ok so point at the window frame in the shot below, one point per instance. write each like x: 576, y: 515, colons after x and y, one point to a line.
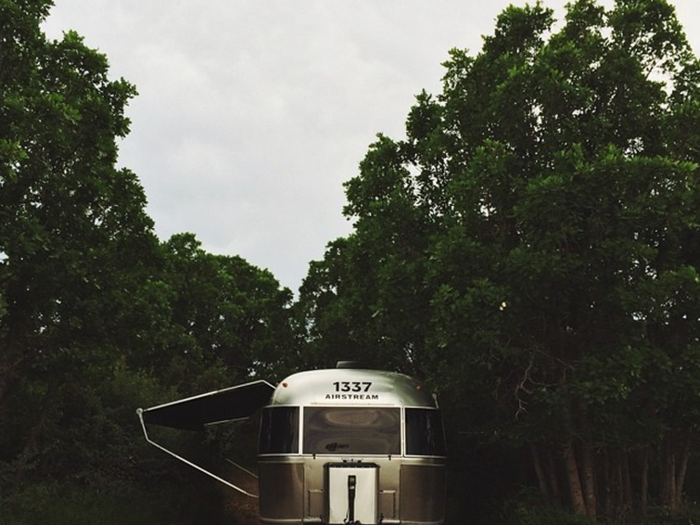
x: 439, y: 449
x: 398, y: 414
x: 294, y: 428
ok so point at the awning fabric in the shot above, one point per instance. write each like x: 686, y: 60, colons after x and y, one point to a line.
x: 194, y: 413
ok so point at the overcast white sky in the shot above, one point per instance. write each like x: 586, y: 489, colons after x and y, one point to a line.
x: 252, y: 113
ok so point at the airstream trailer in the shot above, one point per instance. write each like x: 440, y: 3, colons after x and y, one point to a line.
x: 338, y: 446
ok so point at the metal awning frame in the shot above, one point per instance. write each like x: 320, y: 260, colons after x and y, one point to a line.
x: 188, y: 462
x: 211, y: 395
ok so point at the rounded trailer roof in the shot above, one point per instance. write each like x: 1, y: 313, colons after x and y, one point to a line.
x: 346, y: 386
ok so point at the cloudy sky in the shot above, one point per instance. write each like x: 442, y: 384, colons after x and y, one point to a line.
x: 252, y: 113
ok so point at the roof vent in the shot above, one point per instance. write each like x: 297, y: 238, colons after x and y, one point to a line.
x: 349, y: 364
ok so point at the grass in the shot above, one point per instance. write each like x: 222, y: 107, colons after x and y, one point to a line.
x: 52, y: 503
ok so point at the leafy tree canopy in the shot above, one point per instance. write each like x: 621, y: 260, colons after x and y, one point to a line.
x: 74, y: 237
x: 533, y: 245
x: 97, y: 316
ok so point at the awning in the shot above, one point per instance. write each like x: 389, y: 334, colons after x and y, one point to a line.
x: 220, y: 406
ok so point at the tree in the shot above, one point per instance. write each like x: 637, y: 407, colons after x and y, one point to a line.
x: 97, y: 317
x: 227, y: 321
x: 536, y: 237
x: 75, y: 241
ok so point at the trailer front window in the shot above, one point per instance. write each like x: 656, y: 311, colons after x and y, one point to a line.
x: 424, y: 432
x: 343, y: 430
x: 279, y: 431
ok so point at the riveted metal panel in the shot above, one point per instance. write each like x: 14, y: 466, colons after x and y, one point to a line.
x: 422, y: 496
x: 281, y: 490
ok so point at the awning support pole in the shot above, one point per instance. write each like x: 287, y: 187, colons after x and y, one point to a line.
x: 204, y: 471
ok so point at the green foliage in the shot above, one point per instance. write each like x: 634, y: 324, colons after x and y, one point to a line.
x: 527, y: 508
x: 664, y: 516
x: 226, y: 313
x: 73, y: 235
x: 532, y: 246
x: 60, y: 505
x: 97, y: 317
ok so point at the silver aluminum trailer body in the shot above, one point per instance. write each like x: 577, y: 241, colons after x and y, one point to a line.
x: 361, y: 442
x: 344, y: 446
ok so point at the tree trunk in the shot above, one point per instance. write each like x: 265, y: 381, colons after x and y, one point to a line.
x: 5, y: 376
x: 619, y: 482
x: 681, y: 469
x: 546, y: 471
x: 607, y: 485
x: 589, y: 483
x: 574, y: 479
x: 627, y: 492
x: 540, y: 471
x: 616, y: 483
x: 644, y: 479
x: 553, y: 477
x: 667, y: 474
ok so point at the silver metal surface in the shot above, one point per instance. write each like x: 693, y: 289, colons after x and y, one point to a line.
x: 352, y: 387
x: 404, y: 489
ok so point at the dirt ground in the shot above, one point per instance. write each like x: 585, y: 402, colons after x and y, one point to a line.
x: 239, y: 508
